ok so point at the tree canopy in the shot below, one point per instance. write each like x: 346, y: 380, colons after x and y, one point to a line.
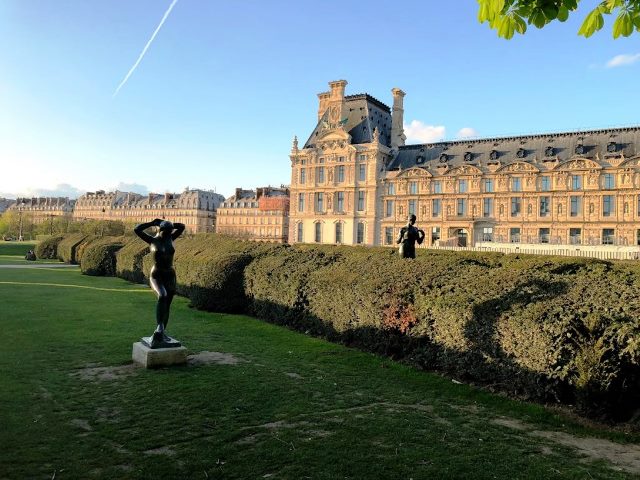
x: 508, y: 17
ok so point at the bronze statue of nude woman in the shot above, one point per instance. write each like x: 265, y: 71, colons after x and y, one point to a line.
x: 162, y: 277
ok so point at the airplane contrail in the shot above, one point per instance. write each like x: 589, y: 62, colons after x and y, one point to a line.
x: 146, y: 47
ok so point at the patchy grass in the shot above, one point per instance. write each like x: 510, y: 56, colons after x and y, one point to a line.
x: 255, y: 401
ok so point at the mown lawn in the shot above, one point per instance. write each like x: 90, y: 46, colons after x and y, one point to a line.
x: 270, y: 403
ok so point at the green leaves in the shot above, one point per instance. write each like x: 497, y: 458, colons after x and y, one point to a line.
x: 507, y: 17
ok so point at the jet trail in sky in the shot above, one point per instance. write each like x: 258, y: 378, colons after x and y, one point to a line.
x: 146, y: 47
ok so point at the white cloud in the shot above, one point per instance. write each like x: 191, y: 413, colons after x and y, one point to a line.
x: 60, y: 190
x: 132, y: 187
x: 418, y: 132
x: 467, y: 132
x: 623, y: 60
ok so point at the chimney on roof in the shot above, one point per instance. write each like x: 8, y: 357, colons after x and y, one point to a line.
x: 324, y: 103
x: 238, y: 193
x: 151, y: 195
x: 397, y: 119
x: 167, y: 197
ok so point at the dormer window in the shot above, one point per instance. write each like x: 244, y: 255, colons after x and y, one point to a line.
x: 468, y: 157
x: 444, y: 158
x: 493, y: 155
x: 612, y: 147
x: 549, y: 151
x: 420, y: 159
x: 521, y: 153
x: 580, y: 150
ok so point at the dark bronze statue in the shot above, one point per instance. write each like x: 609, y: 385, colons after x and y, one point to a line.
x: 162, y: 276
x: 408, y: 237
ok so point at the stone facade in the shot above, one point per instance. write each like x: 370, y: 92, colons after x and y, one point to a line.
x: 42, y: 209
x: 195, y: 208
x: 355, y: 182
x: 261, y: 214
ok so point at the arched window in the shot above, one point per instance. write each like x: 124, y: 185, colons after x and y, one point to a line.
x: 300, y: 233
x: 339, y: 232
x: 360, y: 233
x: 318, y: 232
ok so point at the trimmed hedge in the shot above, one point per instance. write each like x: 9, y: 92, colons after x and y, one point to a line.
x: 48, y: 248
x: 99, y: 256
x: 67, y: 248
x: 129, y: 260
x: 556, y: 329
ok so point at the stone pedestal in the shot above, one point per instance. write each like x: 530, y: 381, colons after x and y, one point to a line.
x: 158, y: 357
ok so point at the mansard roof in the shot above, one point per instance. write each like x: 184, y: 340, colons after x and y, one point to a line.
x: 363, y: 113
x: 541, y: 151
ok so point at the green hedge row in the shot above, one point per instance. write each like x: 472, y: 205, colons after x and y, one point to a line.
x: 48, y: 248
x: 98, y: 256
x: 547, y: 328
x: 67, y: 248
x: 129, y: 260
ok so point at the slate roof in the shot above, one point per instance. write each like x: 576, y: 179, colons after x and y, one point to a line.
x: 363, y: 113
x: 597, y: 145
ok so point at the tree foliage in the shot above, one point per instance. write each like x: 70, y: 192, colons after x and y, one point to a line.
x: 508, y: 17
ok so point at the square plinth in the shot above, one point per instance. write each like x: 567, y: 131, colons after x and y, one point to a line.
x: 158, y: 357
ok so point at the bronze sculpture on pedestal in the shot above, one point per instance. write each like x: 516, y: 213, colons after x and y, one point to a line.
x: 408, y: 237
x: 162, y: 277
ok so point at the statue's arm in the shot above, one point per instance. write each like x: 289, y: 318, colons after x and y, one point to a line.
x: 401, y: 235
x: 140, y: 229
x: 421, y: 236
x: 178, y: 228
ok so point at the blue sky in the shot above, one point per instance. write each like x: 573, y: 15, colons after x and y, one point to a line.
x: 223, y: 88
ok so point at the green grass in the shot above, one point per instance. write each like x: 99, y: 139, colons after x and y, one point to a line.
x: 16, y: 248
x: 295, y: 407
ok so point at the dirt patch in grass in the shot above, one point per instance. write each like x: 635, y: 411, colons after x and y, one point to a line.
x: 625, y: 457
x: 81, y: 423
x: 94, y: 374
x: 214, y: 358
x: 160, y: 451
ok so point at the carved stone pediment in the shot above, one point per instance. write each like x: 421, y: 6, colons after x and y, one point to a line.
x: 518, y: 167
x: 333, y: 139
x: 414, y: 172
x: 579, y: 164
x: 630, y: 162
x: 465, y: 170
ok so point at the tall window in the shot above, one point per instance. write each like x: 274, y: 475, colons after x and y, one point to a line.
x: 435, y: 207
x: 340, y: 173
x: 413, y: 188
x: 488, y: 185
x: 544, y: 234
x: 514, y: 235
x: 516, y: 206
x: 339, y: 232
x: 320, y: 174
x: 487, y: 234
x: 462, y: 186
x: 575, y: 236
x: 360, y: 233
x: 303, y: 175
x: 391, y: 188
x: 361, y: 201
x: 435, y: 234
x: 576, y: 182
x: 319, y: 202
x: 318, y: 232
x: 576, y: 205
x: 545, y: 183
x: 545, y: 206
x: 362, y: 172
x: 437, y: 186
x: 607, y: 205
x: 516, y: 184
x: 461, y: 207
x: 412, y: 207
x: 389, y: 208
x: 301, y: 202
x: 487, y: 210
x: 609, y: 181
x: 339, y: 201
x: 608, y: 236
x: 300, y: 237
x: 388, y: 235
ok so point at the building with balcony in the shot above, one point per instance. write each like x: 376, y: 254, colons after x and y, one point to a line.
x: 261, y: 214
x: 355, y: 181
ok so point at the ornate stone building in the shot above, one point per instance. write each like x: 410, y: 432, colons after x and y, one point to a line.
x: 355, y: 182
x: 195, y: 208
x: 42, y: 209
x: 5, y: 203
x: 261, y: 215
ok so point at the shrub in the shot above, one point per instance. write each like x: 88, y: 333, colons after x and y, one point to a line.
x: 99, y: 256
x: 68, y: 245
x: 48, y: 248
x: 129, y: 260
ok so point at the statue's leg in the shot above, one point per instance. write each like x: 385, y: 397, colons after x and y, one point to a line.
x: 171, y: 291
x: 162, y: 308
